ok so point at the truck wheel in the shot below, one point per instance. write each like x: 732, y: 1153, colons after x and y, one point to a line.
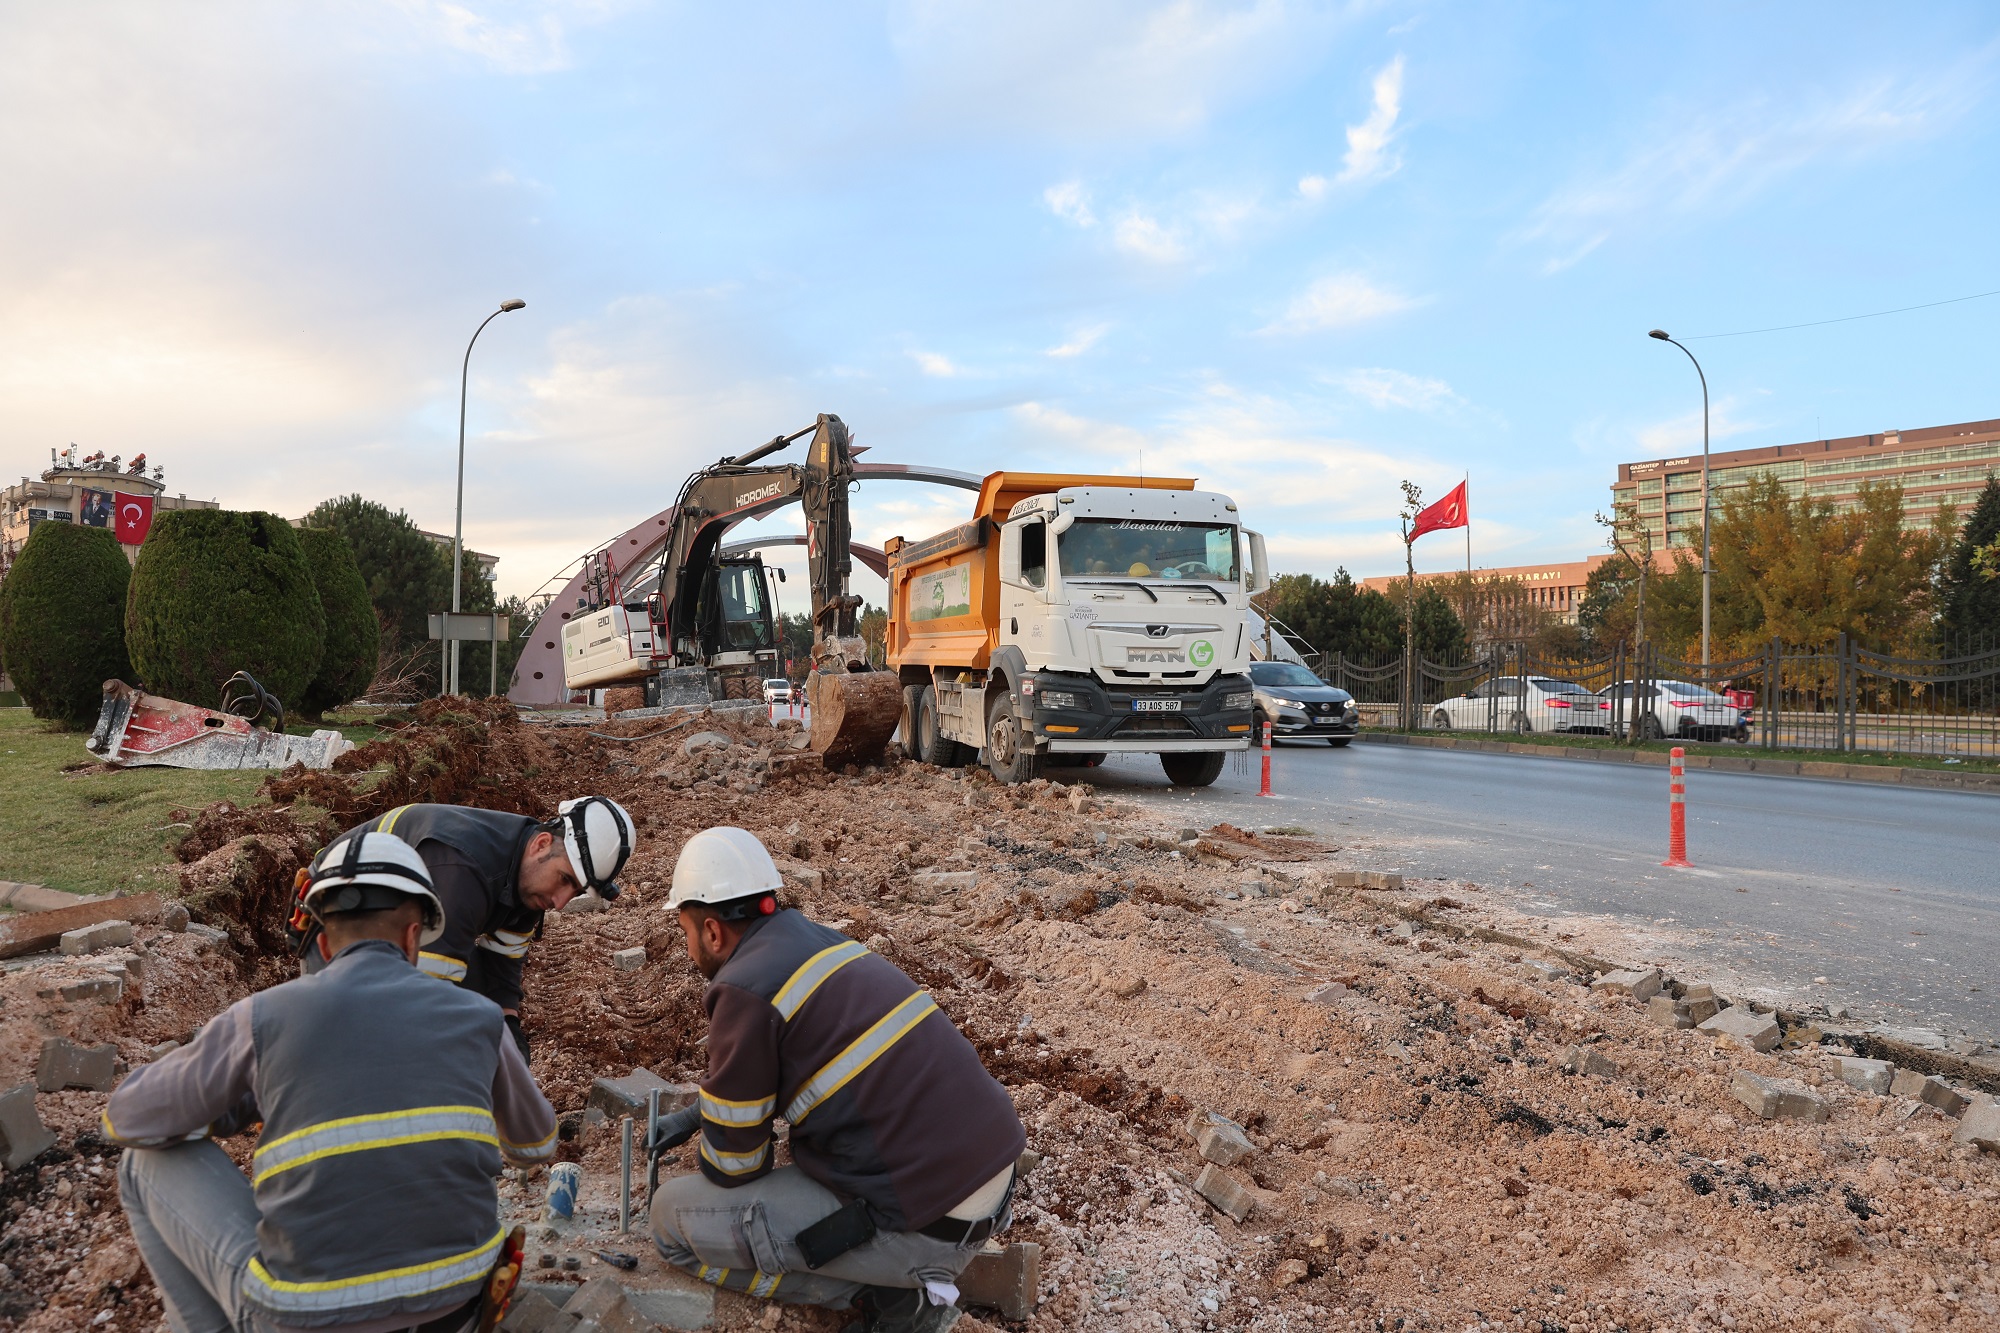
x: 1192, y: 770
x: 1010, y: 748
x: 932, y: 747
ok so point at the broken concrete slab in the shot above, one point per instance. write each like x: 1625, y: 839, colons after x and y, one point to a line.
x: 629, y: 960
x: 23, y: 1136
x: 1588, y: 1060
x: 1866, y: 1075
x: 672, y: 1299
x: 64, y: 1064
x: 705, y: 740
x: 98, y: 935
x: 1641, y: 986
x: 627, y: 1096
x: 1700, y: 1009
x: 532, y: 1312
x: 1667, y: 1012
x: 107, y: 989
x: 1770, y: 1098
x: 1226, y: 1192
x: 1219, y: 1139
x: 38, y: 932
x: 1930, y: 1090
x: 1741, y: 1027
x: 1981, y: 1124
x: 1537, y: 970
x: 1008, y: 1280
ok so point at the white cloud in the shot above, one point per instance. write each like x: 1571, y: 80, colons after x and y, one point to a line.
x: 1395, y: 388
x: 513, y: 36
x: 936, y: 365
x: 1336, y: 301
x: 1070, y: 202
x: 1368, y: 155
x: 1079, y: 342
x: 1138, y: 234
x: 1681, y: 435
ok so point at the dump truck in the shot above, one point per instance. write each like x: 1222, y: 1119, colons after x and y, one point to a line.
x: 1075, y: 617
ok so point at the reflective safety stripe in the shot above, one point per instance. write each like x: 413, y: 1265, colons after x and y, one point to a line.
x: 349, y: 1293
x: 363, y: 1133
x: 863, y: 1051
x: 765, y: 1284
x: 441, y: 966
x: 734, y: 1163
x: 506, y: 943
x: 815, y: 970
x: 530, y: 1152
x: 716, y: 1275
x: 725, y: 1112
x: 388, y: 824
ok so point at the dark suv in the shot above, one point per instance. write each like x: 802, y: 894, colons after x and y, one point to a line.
x: 1297, y: 703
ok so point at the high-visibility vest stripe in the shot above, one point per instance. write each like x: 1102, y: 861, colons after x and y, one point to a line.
x: 505, y: 943
x: 811, y: 974
x: 530, y: 1152
x: 367, y: 1288
x: 364, y: 1133
x: 442, y: 966
x: 863, y: 1051
x: 725, y: 1112
x: 388, y: 824
x: 734, y: 1163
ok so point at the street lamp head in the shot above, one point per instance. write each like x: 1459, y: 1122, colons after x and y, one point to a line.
x: 518, y: 305
x: 1661, y: 334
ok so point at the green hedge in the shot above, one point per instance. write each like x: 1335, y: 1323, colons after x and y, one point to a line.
x: 62, y: 620
x: 217, y: 591
x: 353, y: 638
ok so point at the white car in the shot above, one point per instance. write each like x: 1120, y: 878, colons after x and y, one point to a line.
x: 777, y: 691
x: 1676, y: 708
x: 1523, y: 704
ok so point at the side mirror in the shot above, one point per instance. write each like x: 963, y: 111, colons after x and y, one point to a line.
x: 1010, y: 554
x: 781, y: 575
x: 1259, y: 579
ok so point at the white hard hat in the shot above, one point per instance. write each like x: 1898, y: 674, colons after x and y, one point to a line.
x: 724, y: 865
x: 599, y: 837
x: 366, y: 872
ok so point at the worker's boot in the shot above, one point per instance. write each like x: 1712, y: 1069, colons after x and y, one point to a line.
x: 900, y: 1310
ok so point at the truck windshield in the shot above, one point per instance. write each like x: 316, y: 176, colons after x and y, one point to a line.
x: 1133, y: 548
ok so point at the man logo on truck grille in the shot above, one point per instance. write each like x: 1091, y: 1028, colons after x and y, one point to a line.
x: 1201, y: 652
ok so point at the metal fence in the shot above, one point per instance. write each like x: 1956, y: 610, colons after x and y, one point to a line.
x: 1842, y: 697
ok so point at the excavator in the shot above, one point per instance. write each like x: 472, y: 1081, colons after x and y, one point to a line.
x: 699, y: 626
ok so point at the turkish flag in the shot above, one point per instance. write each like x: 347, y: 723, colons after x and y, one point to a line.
x: 135, y: 517
x: 1449, y: 512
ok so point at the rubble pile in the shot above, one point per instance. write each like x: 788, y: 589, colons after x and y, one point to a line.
x: 1270, y: 1086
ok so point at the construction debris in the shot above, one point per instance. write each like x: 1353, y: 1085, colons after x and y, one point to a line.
x: 38, y: 932
x: 1772, y: 1097
x: 1740, y: 1027
x: 1867, y: 1075
x: 90, y: 939
x: 1981, y: 1124
x: 1226, y: 1192
x: 1929, y: 1089
x: 1219, y: 1139
x: 137, y: 729
x: 23, y: 1136
x: 1641, y: 986
x: 1004, y: 1278
x: 64, y: 1064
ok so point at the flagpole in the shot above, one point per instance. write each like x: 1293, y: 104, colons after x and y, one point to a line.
x: 1467, y: 484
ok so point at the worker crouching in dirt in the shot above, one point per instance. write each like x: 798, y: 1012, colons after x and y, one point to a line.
x: 496, y: 874
x: 904, y: 1146
x: 387, y: 1104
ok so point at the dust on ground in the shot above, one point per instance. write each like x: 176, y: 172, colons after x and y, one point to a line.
x: 1422, y: 1160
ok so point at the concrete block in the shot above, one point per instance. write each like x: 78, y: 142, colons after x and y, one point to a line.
x: 175, y: 918
x: 1702, y: 992
x: 107, y: 989
x: 532, y: 1312
x: 91, y: 938
x: 594, y: 1298
x: 1699, y: 1009
x: 1981, y: 1124
x: 1537, y: 970
x: 1666, y: 1011
x: 1228, y: 1194
x: 584, y: 904
x: 1867, y: 1075
x: 621, y: 1317
x: 1641, y: 986
x: 629, y: 960
x: 64, y: 1064
x: 1929, y: 1089
x: 627, y: 1096
x: 1382, y: 879
x: 23, y: 1136
x: 1773, y: 1097
x: 1219, y: 1139
x: 1588, y: 1060
x: 1738, y: 1025
x: 1346, y: 879
x: 1008, y: 1280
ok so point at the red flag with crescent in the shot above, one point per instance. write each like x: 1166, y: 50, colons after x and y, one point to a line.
x: 135, y: 517
x: 1449, y: 512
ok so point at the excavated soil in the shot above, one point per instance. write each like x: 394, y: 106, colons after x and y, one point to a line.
x: 1422, y: 1160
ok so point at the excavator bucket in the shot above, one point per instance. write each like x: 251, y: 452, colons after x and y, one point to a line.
x: 135, y: 728
x: 854, y: 713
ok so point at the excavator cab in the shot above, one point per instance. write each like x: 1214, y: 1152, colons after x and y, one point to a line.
x: 737, y: 627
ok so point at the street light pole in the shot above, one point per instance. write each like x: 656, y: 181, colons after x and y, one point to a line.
x: 450, y: 686
x: 1706, y: 569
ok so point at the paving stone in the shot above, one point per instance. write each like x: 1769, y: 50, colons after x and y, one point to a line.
x: 1700, y: 992
x: 1699, y: 1009
x: 1867, y: 1075
x: 1219, y: 1139
x: 1981, y: 1125
x: 1928, y: 1089
x: 1588, y: 1060
x: 1008, y: 1280
x: 1382, y: 879
x: 98, y: 935
x: 1226, y: 1192
x: 593, y: 1298
x: 1346, y: 879
x: 107, y: 989
x: 627, y: 1096
x: 64, y: 1064
x: 1641, y: 986
x: 621, y: 1317
x: 629, y: 960
x: 1666, y: 1011
x: 1773, y: 1097
x: 1538, y: 970
x: 584, y: 904
x: 1737, y: 1024
x: 532, y: 1312
x: 23, y: 1136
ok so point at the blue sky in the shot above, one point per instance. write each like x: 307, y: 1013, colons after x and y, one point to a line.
x: 1299, y: 251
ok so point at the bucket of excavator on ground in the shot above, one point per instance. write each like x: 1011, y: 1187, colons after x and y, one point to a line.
x: 135, y: 728
x: 854, y: 713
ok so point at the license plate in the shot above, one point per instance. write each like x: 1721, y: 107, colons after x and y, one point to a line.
x: 1325, y: 721
x: 1156, y: 705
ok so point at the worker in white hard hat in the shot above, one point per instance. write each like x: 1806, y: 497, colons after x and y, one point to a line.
x: 903, y: 1146
x: 496, y: 874
x: 388, y: 1104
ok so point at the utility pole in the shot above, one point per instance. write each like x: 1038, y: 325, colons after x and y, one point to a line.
x: 1707, y: 570
x: 450, y: 686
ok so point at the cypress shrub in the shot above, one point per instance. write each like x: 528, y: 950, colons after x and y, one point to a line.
x: 62, y: 620
x: 353, y: 638
x: 217, y: 591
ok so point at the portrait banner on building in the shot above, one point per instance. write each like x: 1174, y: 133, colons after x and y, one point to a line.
x: 96, y: 508
x: 135, y: 518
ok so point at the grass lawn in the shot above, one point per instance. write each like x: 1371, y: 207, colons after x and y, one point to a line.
x: 99, y: 832
x: 1730, y: 750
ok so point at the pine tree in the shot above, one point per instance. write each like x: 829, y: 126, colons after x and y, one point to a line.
x: 1968, y: 590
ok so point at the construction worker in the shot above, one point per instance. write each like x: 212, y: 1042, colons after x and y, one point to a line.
x: 496, y: 874
x: 387, y: 1104
x: 903, y: 1145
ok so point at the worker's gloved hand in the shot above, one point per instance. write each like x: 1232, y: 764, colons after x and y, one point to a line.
x: 675, y: 1128
x: 520, y: 1037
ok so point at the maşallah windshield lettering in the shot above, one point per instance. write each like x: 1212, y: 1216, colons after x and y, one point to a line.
x: 1142, y: 549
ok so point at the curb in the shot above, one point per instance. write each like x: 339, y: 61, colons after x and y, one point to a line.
x: 1878, y: 774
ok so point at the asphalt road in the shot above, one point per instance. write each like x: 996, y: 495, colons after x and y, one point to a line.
x: 1892, y: 896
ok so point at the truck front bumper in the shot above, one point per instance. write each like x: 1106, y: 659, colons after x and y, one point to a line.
x: 1089, y: 717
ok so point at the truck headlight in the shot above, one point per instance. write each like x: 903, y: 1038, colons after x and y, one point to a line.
x: 1242, y: 700
x: 1059, y: 699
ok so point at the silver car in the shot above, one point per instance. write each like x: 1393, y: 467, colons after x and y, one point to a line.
x: 1657, y: 709
x: 1522, y: 704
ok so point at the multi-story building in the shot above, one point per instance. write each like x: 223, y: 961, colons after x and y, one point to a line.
x: 1937, y: 466
x: 76, y: 489
x: 1557, y: 588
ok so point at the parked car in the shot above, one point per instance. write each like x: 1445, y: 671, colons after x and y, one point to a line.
x: 1297, y: 703
x: 777, y: 691
x: 1678, y: 708
x: 1523, y: 704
